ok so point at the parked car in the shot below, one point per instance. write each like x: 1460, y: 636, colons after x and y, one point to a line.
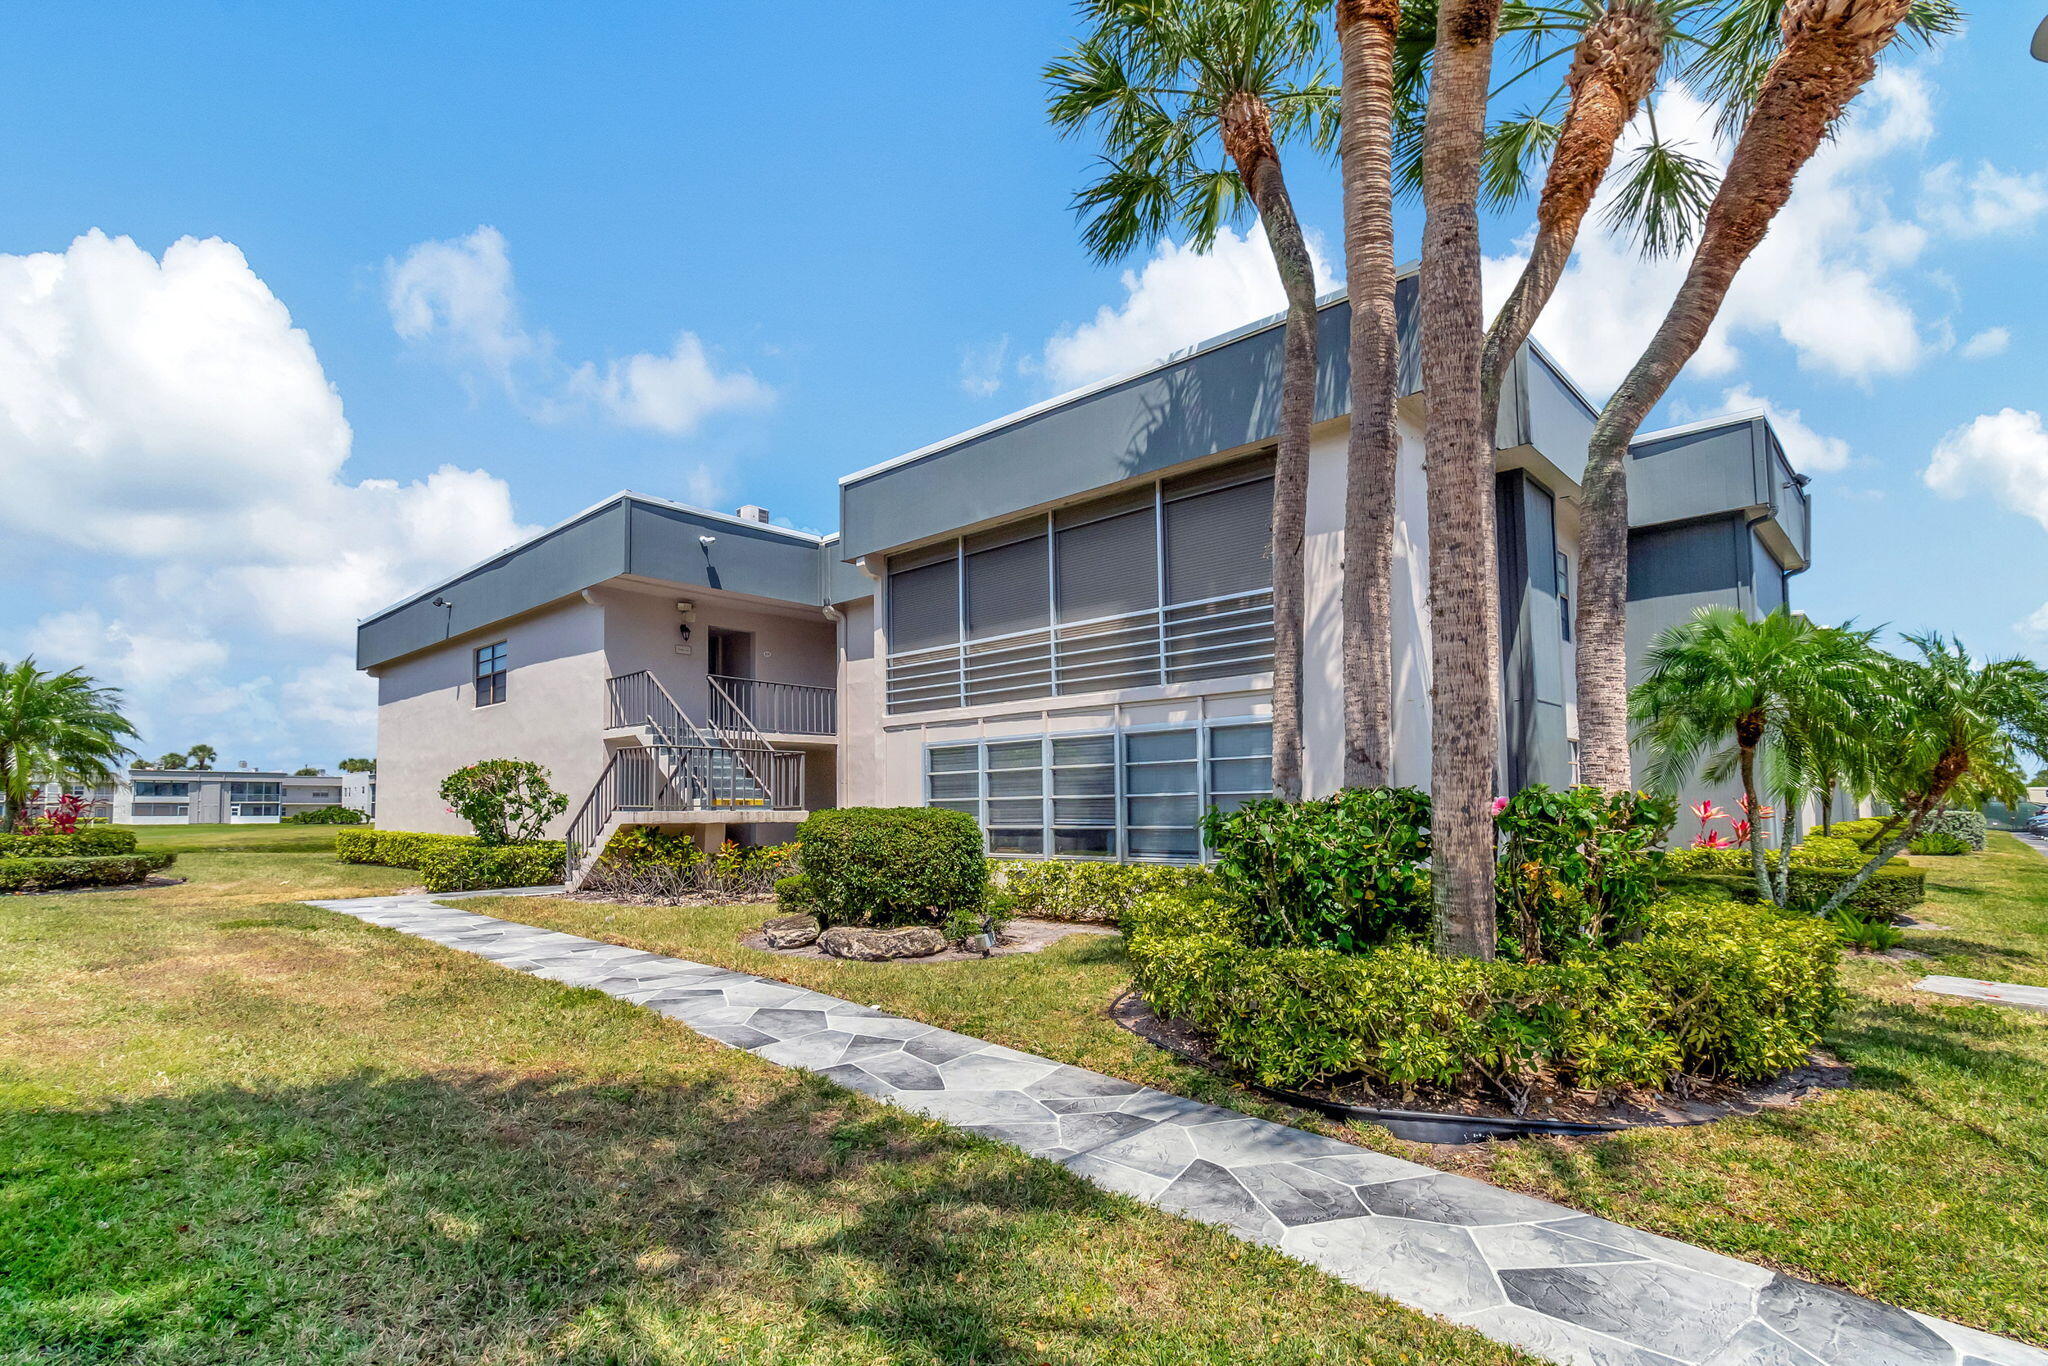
x: 2037, y: 824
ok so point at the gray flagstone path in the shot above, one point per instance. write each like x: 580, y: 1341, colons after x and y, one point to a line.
x: 1559, y: 1284
x: 1998, y: 993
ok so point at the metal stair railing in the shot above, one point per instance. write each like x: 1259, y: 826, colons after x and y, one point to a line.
x: 777, y: 708
x: 737, y: 730
x: 639, y: 699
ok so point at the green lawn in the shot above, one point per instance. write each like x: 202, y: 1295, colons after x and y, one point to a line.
x: 237, y: 1129
x: 1926, y: 1185
x: 192, y: 839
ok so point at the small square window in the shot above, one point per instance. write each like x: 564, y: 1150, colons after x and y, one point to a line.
x: 490, y: 674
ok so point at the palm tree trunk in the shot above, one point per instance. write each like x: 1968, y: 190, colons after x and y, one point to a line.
x: 1612, y: 72
x: 1756, y: 828
x: 1365, y: 39
x: 1247, y: 129
x: 1464, y: 590
x: 1948, y: 771
x: 1831, y: 49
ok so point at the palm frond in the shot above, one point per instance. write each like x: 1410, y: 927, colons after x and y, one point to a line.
x: 1514, y: 148
x: 1663, y: 197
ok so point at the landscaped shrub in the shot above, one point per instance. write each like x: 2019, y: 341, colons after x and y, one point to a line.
x: 1578, y: 868
x: 455, y: 863
x: 871, y: 865
x: 1888, y: 893
x: 506, y: 801
x: 1084, y: 890
x: 326, y: 815
x: 1940, y: 843
x: 470, y: 867
x: 1862, y: 830
x: 390, y: 848
x: 1967, y: 826
x: 90, y: 841
x: 54, y: 874
x: 1346, y: 871
x: 662, y: 865
x: 1714, y: 987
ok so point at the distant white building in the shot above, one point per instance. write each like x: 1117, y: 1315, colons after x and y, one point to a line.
x: 183, y: 796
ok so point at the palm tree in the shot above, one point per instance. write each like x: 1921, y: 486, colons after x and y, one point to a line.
x: 1464, y: 592
x: 1193, y: 100
x: 55, y: 726
x: 1726, y: 689
x: 357, y: 765
x: 1830, y: 50
x: 173, y: 760
x: 1952, y: 728
x: 200, y: 757
x: 1366, y: 36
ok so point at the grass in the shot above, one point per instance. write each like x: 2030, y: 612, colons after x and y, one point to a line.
x: 269, y: 839
x: 235, y: 1128
x: 1925, y: 1185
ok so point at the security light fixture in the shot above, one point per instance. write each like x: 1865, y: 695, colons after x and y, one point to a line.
x: 706, y: 541
x: 440, y: 601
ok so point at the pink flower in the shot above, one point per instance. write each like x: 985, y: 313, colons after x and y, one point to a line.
x: 1707, y: 811
x: 1742, y: 829
x: 1713, y: 839
x: 1500, y: 804
x: 1755, y: 810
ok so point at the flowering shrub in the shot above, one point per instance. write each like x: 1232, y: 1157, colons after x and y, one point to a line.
x: 506, y: 801
x: 1345, y: 872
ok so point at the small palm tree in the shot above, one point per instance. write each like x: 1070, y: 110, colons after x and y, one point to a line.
x: 1723, y: 691
x: 55, y: 726
x: 1950, y: 728
x: 200, y: 757
x: 172, y: 760
x: 1193, y: 100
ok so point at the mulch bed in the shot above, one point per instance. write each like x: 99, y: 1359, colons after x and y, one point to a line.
x: 1019, y: 936
x: 1700, y: 1102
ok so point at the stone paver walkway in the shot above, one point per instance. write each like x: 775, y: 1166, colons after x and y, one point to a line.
x: 1562, y: 1285
x: 1998, y: 993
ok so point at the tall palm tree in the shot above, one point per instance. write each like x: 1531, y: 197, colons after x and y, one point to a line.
x: 172, y: 760
x: 1366, y: 34
x: 1193, y: 100
x: 55, y: 726
x: 201, y: 757
x: 1952, y: 727
x: 1464, y: 590
x: 1722, y: 690
x: 1830, y: 50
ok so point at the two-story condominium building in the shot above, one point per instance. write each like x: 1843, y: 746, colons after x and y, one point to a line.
x: 201, y: 796
x: 1060, y: 622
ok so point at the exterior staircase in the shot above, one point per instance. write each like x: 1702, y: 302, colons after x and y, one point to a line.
x: 681, y: 773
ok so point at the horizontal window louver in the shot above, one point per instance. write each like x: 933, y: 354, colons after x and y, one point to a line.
x: 1220, y: 542
x: 924, y: 606
x: 1007, y: 590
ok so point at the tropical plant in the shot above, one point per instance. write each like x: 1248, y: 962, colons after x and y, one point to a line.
x: 1367, y: 31
x: 173, y: 760
x: 1723, y: 692
x: 506, y: 801
x: 1825, y: 52
x: 55, y: 727
x: 1193, y: 100
x: 357, y: 765
x: 1578, y: 868
x: 309, y: 772
x: 1950, y: 728
x: 1348, y: 872
x: 201, y: 757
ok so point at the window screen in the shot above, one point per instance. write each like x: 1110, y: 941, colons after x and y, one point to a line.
x: 1162, y: 783
x: 1016, y: 792
x: 1240, y: 765
x: 1083, y: 795
x: 1109, y: 567
x: 924, y: 606
x: 1007, y: 590
x: 1219, y: 542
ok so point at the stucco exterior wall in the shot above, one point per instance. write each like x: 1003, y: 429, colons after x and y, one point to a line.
x: 642, y: 631
x: 428, y: 724
x: 860, y: 705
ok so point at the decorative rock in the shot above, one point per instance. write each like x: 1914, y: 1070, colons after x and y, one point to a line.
x: 790, y: 931
x: 877, y: 946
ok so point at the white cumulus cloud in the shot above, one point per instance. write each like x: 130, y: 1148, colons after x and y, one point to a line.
x: 165, y: 417
x: 1992, y: 341
x: 2002, y: 455
x: 1986, y: 201
x: 459, y: 296
x: 1177, y: 299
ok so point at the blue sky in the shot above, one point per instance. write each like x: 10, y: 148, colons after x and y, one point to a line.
x: 456, y: 271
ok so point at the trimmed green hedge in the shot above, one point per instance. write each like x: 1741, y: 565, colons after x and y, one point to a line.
x: 1888, y: 894
x: 892, y: 865
x: 455, y: 863
x: 1095, y: 893
x: 326, y: 815
x: 1714, y: 988
x: 90, y: 842
x: 53, y: 874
